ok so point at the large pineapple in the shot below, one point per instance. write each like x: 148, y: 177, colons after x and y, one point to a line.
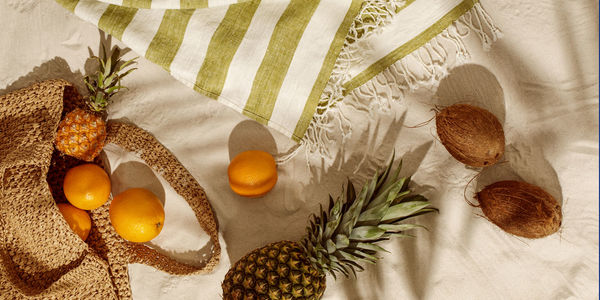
x: 82, y: 132
x: 337, y: 241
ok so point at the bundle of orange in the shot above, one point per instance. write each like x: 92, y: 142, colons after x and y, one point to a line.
x: 136, y: 214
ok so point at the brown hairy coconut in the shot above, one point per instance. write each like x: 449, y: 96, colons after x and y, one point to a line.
x: 472, y: 135
x: 520, y: 208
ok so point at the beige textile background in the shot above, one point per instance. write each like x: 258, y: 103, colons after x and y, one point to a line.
x: 541, y: 79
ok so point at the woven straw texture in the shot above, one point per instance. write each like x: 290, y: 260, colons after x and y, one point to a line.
x: 40, y: 257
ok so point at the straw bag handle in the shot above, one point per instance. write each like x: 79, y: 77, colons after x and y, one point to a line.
x: 139, y: 141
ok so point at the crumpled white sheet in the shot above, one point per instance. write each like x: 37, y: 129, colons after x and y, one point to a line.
x: 541, y: 78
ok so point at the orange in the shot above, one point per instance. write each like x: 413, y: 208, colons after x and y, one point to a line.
x: 137, y: 215
x: 87, y: 186
x: 252, y: 173
x: 78, y: 219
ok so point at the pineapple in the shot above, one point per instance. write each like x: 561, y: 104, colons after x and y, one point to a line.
x: 81, y: 133
x: 336, y: 242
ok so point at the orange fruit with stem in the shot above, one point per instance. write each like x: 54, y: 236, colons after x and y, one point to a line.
x: 252, y: 173
x: 137, y: 215
x: 87, y: 186
x: 78, y: 219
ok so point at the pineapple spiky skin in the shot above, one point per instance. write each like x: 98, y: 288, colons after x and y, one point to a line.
x: 81, y: 134
x: 279, y: 270
x: 337, y: 242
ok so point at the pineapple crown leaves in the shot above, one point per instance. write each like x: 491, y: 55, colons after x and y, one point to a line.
x: 345, y: 236
x: 106, y: 82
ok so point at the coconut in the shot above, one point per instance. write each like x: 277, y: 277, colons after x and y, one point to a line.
x: 520, y: 208
x: 472, y: 135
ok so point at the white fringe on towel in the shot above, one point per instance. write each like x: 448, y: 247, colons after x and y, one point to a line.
x: 424, y: 67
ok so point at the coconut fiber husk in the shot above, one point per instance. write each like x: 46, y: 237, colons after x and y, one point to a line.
x: 40, y: 256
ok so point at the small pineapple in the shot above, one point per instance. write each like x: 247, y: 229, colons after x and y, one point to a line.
x: 81, y: 133
x: 336, y: 242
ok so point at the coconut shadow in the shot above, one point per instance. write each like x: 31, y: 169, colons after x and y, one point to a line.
x: 250, y: 135
x: 523, y: 162
x: 475, y: 85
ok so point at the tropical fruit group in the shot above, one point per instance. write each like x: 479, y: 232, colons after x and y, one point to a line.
x: 87, y: 186
x: 252, y: 173
x: 137, y: 215
x: 78, y: 219
x: 337, y: 241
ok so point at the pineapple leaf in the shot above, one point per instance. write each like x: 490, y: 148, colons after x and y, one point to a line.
x: 323, y: 218
x: 116, y: 54
x: 344, y: 270
x: 371, y: 187
x: 350, y: 192
x: 90, y: 87
x: 404, y: 209
x: 341, y: 241
x: 106, y: 81
x: 352, y: 257
x: 107, y: 68
x: 331, y: 271
x: 353, y: 265
x: 366, y: 233
x: 383, y: 177
x: 368, y: 246
x: 399, y: 227
x: 104, y: 52
x: 126, y: 73
x: 330, y: 246
x: 114, y: 89
x: 420, y: 212
x: 364, y: 255
x: 406, y: 182
x: 383, y: 195
x: 335, y: 218
x: 375, y: 213
x: 401, y: 196
x: 341, y: 270
x: 331, y: 203
x: 127, y: 63
x: 391, y: 180
x: 410, y: 198
x: 353, y: 271
x: 100, y: 79
x: 351, y: 215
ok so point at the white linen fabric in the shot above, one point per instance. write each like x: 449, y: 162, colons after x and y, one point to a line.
x: 545, y: 77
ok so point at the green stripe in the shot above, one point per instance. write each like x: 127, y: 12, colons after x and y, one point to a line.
x: 334, y: 50
x: 410, y: 46
x: 115, y: 19
x: 137, y: 3
x: 68, y: 4
x: 223, y: 45
x: 275, y: 64
x: 193, y: 4
x: 168, y: 38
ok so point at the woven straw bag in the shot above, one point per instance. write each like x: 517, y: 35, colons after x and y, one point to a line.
x: 40, y: 257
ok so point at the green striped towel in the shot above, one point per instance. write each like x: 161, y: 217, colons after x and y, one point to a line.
x: 272, y: 60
